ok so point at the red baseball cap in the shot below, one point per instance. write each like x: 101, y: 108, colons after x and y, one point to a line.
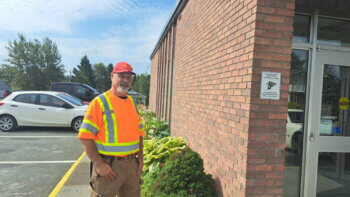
x: 122, y: 67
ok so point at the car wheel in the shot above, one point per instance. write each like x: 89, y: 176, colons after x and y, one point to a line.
x: 7, y: 123
x: 76, y: 124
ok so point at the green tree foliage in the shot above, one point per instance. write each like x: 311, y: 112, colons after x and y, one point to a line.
x: 101, y: 77
x: 36, y: 64
x: 8, y: 74
x: 141, y: 85
x: 109, y: 71
x: 297, y: 63
x: 83, y: 73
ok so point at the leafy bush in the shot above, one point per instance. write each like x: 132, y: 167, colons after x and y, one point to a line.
x: 170, y: 169
x: 152, y: 125
x: 149, y: 180
x: 158, y: 151
x: 183, y: 175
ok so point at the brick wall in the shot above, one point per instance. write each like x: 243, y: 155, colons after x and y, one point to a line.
x: 153, y: 83
x: 221, y: 47
x: 272, y: 52
x: 212, y: 80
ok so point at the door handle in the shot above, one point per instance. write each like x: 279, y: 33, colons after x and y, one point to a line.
x: 42, y: 109
x: 14, y: 106
x: 312, y: 138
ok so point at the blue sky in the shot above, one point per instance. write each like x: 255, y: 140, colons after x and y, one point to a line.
x: 106, y: 31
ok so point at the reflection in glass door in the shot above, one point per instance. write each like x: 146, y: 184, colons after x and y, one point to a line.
x: 333, y: 168
x: 333, y: 174
x: 328, y: 127
x: 295, y: 123
x: 335, y: 101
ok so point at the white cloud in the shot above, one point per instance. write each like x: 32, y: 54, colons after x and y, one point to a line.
x: 133, y: 41
x: 53, y: 15
x: 130, y: 43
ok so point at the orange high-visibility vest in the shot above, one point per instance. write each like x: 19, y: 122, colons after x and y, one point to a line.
x: 114, y: 124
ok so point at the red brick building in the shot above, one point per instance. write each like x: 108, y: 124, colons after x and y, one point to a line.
x: 259, y: 88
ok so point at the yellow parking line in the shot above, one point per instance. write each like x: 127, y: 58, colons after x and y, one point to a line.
x: 65, y: 177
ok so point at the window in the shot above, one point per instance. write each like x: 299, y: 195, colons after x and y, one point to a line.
x: 296, y: 116
x: 63, y: 87
x: 70, y: 98
x: 91, y: 88
x: 25, y: 98
x: 51, y: 101
x: 333, y: 32
x: 301, y: 28
x: 79, y: 89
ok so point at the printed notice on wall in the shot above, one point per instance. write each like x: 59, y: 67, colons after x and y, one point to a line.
x: 270, y: 85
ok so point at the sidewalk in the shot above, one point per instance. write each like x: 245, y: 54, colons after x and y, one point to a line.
x: 77, y: 183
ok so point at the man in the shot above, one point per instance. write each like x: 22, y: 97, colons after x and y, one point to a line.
x: 6, y: 93
x: 111, y: 134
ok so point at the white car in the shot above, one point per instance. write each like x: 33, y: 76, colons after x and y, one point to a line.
x: 41, y: 108
x: 294, y: 128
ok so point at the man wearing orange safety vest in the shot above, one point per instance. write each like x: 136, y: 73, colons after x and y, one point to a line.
x: 111, y: 134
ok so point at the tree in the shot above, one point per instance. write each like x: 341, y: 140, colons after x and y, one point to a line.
x: 109, y: 71
x: 101, y: 77
x: 37, y: 64
x: 84, y: 72
x: 8, y: 74
x: 141, y: 85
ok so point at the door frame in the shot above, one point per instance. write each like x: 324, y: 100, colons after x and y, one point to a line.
x: 313, y: 141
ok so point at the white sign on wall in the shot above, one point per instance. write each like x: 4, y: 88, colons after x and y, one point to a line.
x: 270, y: 85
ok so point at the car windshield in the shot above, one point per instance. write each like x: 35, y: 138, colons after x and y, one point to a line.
x: 93, y: 89
x: 71, y: 99
x: 296, y: 117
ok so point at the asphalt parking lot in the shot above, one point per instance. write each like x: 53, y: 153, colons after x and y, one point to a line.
x: 33, y: 160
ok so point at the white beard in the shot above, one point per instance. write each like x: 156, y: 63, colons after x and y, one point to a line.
x: 122, y: 89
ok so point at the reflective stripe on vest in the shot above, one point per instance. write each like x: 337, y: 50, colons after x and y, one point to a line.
x: 108, y: 118
x: 118, y: 148
x: 89, y: 126
x: 140, y: 123
x: 133, y: 103
x: 111, y: 145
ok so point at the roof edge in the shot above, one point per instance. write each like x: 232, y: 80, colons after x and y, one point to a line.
x: 175, y: 13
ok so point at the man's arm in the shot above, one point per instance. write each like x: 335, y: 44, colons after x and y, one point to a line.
x: 103, y: 169
x: 140, y: 154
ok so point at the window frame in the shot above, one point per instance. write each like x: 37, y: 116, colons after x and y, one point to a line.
x: 22, y: 94
x: 64, y: 102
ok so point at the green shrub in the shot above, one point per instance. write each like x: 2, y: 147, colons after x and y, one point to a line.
x: 153, y: 126
x: 183, y: 176
x: 158, y: 151
x: 171, y: 169
x: 149, y: 180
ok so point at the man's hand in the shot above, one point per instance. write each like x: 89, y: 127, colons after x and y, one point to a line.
x: 105, y: 171
x: 139, y: 171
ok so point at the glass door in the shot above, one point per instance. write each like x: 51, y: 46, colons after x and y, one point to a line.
x: 327, y: 158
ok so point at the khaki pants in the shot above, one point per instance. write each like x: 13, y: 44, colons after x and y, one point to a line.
x: 126, y: 184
